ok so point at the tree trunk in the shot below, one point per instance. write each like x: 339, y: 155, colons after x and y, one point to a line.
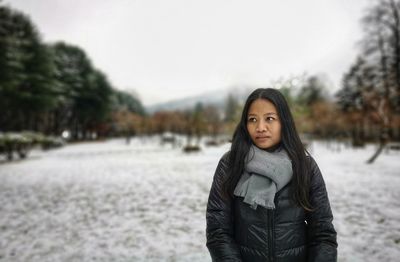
x: 377, y: 153
x: 384, y: 113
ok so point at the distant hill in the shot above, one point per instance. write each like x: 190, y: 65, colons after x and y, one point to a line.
x: 216, y: 98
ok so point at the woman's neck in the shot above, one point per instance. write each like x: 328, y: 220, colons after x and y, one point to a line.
x: 273, y: 148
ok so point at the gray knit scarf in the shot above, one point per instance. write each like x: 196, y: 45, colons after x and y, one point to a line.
x: 265, y: 174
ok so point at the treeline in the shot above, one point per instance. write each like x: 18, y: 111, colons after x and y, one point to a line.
x: 367, y: 106
x: 53, y: 87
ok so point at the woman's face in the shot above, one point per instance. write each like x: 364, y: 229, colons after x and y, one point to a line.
x: 263, y: 124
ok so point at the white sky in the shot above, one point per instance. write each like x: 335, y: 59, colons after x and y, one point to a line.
x: 167, y: 49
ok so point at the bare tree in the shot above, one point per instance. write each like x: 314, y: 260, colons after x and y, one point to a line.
x: 372, y: 85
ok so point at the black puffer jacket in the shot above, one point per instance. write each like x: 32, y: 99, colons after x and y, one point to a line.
x: 235, y: 232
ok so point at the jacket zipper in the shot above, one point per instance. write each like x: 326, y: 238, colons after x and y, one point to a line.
x: 271, y: 246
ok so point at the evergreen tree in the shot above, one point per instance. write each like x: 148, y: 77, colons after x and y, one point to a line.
x: 27, y: 83
x: 125, y: 101
x: 76, y: 76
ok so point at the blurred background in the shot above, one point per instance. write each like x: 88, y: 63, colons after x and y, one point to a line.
x: 114, y: 115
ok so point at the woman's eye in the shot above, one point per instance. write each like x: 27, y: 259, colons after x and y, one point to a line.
x: 269, y: 119
x: 252, y: 119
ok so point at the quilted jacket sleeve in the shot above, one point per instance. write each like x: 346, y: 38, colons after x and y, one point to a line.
x: 321, y: 232
x: 220, y: 241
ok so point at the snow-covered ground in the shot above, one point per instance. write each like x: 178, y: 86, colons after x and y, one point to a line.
x: 108, y: 201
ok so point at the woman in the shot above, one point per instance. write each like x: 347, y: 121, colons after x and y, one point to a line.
x: 268, y: 200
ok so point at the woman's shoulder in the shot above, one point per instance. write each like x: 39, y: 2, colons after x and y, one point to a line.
x: 225, y: 157
x: 310, y: 160
x: 224, y: 160
x: 223, y: 164
x: 315, y: 172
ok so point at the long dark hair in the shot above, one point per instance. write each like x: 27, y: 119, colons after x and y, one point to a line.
x: 290, y: 141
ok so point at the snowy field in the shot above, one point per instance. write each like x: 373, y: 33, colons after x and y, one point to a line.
x: 108, y: 201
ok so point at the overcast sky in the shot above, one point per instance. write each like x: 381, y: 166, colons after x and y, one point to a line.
x: 167, y: 49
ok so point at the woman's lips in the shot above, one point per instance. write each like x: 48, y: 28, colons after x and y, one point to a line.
x: 262, y: 137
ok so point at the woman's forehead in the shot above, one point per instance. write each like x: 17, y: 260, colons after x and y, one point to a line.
x: 263, y: 106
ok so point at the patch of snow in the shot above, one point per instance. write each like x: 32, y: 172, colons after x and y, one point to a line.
x: 109, y: 201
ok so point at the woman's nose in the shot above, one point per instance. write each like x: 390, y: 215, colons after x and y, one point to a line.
x: 260, y: 127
